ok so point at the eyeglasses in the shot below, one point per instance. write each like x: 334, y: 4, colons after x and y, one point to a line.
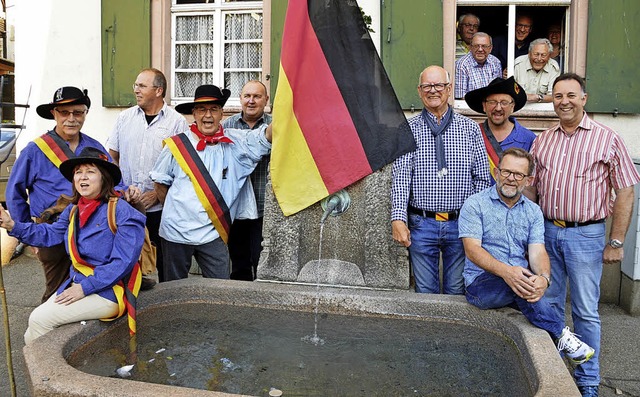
x: 470, y: 25
x: 518, y: 176
x: 479, y: 46
x: 523, y: 26
x: 493, y: 103
x: 75, y: 113
x: 142, y: 86
x: 202, y: 110
x: 437, y: 86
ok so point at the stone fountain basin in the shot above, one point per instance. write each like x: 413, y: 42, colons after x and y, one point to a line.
x: 51, y: 375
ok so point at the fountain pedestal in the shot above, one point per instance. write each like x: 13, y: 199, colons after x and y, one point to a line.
x: 357, y: 247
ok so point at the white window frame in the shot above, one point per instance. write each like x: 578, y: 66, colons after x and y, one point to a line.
x: 217, y: 8
x: 512, y: 7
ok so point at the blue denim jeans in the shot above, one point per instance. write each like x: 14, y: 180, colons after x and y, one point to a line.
x: 491, y: 292
x: 576, y: 255
x: 428, y: 238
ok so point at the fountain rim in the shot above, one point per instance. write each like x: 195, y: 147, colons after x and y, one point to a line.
x: 51, y: 375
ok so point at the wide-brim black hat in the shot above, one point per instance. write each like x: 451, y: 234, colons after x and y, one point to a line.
x: 497, y: 86
x: 64, y: 96
x: 205, y: 94
x: 91, y: 155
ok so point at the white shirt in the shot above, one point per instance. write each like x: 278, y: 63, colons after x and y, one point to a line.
x: 140, y: 144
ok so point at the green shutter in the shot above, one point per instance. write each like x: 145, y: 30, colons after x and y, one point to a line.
x: 126, y: 48
x: 613, y: 75
x: 411, y: 34
x: 278, y: 13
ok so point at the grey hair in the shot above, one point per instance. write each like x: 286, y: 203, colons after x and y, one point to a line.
x: 541, y: 41
x: 482, y: 34
x: 463, y: 16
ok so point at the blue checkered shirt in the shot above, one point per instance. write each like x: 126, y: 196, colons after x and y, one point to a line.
x: 259, y: 176
x: 415, y: 180
x: 470, y: 75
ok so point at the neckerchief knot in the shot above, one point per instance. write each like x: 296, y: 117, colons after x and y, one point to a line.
x: 209, y: 139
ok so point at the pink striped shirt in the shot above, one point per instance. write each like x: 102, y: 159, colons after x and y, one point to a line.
x: 575, y: 174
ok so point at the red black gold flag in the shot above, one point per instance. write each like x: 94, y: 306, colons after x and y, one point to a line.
x: 494, y: 150
x: 336, y: 116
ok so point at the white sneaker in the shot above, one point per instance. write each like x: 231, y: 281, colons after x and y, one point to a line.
x: 576, y: 350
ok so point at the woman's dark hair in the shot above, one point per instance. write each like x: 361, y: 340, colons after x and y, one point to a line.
x: 108, y: 185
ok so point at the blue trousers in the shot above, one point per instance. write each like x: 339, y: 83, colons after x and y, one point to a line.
x: 576, y: 256
x: 428, y: 239
x: 489, y: 291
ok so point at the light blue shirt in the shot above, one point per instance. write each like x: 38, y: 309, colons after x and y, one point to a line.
x: 504, y: 232
x: 184, y: 219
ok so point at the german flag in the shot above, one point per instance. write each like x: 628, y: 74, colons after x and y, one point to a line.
x: 336, y: 116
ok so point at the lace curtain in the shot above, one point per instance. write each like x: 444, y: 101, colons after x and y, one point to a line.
x: 242, y: 49
x: 196, y: 52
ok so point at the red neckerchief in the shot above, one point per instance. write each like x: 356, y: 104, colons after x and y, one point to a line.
x: 209, y: 139
x: 86, y: 207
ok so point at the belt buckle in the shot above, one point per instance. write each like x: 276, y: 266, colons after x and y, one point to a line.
x: 560, y: 223
x: 442, y: 216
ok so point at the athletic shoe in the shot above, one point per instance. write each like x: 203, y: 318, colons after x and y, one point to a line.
x: 576, y: 350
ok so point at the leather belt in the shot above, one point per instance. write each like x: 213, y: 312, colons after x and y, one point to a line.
x: 565, y: 224
x: 438, y: 216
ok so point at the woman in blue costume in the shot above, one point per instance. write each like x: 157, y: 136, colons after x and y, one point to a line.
x: 104, y: 277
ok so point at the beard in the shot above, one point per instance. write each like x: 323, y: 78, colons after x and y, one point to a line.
x: 510, y: 191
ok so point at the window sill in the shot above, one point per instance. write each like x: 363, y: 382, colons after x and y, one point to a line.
x: 529, y: 110
x: 535, y: 116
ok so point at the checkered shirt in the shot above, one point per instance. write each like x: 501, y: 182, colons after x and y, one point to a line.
x: 259, y: 175
x: 470, y: 75
x: 415, y: 181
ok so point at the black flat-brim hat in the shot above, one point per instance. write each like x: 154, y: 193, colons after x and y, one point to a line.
x: 497, y: 86
x: 91, y: 155
x: 205, y: 94
x: 64, y: 96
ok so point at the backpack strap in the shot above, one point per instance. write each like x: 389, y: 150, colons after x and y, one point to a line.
x: 111, y: 214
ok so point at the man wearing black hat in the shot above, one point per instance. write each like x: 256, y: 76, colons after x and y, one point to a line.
x: 198, y: 177
x: 35, y: 183
x: 499, y: 100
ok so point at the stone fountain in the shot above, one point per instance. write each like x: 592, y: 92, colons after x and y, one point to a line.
x: 357, y: 246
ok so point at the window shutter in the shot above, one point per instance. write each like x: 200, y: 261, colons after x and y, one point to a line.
x: 411, y: 33
x: 613, y: 76
x: 278, y: 13
x: 126, y: 48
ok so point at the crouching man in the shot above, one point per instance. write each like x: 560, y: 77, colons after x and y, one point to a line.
x: 500, y: 229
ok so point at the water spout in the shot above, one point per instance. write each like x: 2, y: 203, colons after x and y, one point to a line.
x: 335, y: 204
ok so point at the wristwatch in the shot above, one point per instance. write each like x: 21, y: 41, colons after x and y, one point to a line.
x: 614, y: 243
x: 540, y: 98
x: 544, y: 276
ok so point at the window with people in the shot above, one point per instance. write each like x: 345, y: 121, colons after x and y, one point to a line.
x: 215, y: 42
x: 532, y: 48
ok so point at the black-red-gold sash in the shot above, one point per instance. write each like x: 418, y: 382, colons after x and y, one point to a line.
x: 494, y: 150
x: 126, y: 290
x: 206, y: 189
x: 54, y: 147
